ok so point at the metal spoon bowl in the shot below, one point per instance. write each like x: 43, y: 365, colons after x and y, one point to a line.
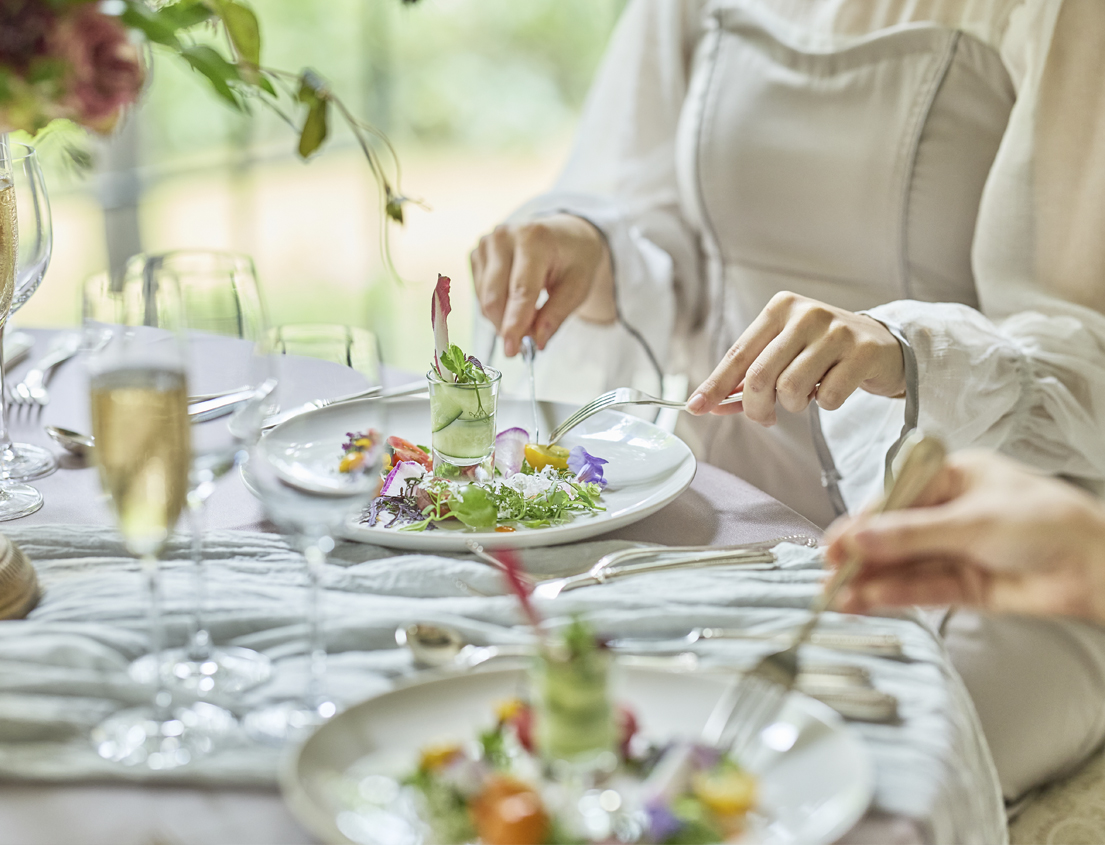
x: 73, y: 442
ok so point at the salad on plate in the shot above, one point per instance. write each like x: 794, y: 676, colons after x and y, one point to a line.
x: 562, y: 765
x: 471, y: 477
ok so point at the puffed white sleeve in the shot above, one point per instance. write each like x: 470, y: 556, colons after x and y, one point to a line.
x: 620, y: 177
x: 1025, y: 373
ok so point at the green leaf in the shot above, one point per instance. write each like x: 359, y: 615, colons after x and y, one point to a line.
x: 184, y: 14
x: 150, y: 23
x: 218, y: 70
x: 474, y: 508
x: 394, y: 208
x: 314, y: 128
x: 242, y: 27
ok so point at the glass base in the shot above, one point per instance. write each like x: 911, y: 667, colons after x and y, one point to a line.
x: 225, y: 671
x: 141, y: 736
x: 464, y: 469
x: 24, y: 462
x: 288, y: 721
x: 18, y: 500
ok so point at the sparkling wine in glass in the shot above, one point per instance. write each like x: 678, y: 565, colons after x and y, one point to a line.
x: 222, y: 321
x: 26, y: 242
x: 139, y: 405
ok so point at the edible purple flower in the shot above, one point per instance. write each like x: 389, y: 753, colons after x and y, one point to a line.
x: 587, y: 468
x: 399, y: 480
x: 662, y: 822
x: 510, y: 450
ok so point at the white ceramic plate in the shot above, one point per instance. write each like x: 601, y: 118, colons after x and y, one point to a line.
x: 648, y: 467
x: 811, y: 793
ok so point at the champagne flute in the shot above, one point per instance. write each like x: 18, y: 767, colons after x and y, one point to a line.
x: 26, y: 241
x: 143, y: 436
x: 222, y: 320
x: 308, y: 498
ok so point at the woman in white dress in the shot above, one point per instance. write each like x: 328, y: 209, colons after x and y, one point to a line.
x: 891, y: 207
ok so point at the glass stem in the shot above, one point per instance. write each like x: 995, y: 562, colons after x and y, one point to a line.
x: 199, y: 637
x: 162, y: 698
x: 5, y: 440
x: 316, y: 641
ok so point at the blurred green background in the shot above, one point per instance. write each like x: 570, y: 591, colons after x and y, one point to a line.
x: 479, y: 98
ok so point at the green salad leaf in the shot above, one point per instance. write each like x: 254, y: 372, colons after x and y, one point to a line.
x: 467, y: 370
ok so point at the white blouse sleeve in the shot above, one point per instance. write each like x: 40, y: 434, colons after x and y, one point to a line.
x: 621, y: 177
x: 1025, y: 374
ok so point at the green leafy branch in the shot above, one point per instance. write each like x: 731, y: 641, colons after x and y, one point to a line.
x: 240, y: 78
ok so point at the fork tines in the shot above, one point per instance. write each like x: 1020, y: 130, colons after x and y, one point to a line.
x: 593, y: 407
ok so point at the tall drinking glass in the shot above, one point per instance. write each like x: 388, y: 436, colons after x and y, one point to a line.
x: 143, y: 436
x: 26, y: 241
x: 304, y: 493
x: 222, y: 321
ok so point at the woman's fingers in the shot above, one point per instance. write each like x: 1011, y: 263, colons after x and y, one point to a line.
x: 796, y: 344
x: 527, y: 279
x: 491, y: 273
x: 942, y: 581
x: 762, y: 379
x: 731, y: 371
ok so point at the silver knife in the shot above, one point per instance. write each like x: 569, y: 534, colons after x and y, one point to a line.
x: 748, y: 559
x: 376, y: 392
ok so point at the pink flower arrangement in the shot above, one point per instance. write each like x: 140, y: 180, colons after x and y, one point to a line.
x: 65, y: 60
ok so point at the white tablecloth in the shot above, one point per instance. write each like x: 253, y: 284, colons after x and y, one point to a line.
x: 64, y: 668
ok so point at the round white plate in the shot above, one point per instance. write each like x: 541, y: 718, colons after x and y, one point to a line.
x: 812, y: 792
x: 648, y: 467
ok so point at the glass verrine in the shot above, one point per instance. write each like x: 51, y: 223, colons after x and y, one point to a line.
x: 462, y: 419
x: 573, y: 717
x: 26, y: 243
x: 143, y: 435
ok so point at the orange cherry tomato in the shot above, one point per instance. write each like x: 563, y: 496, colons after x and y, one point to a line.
x: 404, y: 450
x: 508, y: 812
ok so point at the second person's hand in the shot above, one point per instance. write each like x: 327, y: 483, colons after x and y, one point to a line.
x: 561, y: 254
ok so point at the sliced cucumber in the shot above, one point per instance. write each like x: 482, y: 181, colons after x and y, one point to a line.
x: 466, y: 438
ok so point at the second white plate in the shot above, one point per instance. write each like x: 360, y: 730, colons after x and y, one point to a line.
x: 811, y: 792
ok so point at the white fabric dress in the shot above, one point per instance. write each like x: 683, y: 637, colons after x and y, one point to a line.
x: 939, y: 164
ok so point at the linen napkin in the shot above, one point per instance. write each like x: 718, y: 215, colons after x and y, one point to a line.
x: 64, y: 667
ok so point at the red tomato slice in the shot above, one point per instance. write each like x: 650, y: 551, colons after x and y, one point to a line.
x: 404, y: 450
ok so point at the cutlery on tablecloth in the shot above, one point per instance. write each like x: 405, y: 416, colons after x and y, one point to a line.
x: 529, y: 355
x: 17, y: 346
x: 749, y: 556
x: 375, y: 392
x: 844, y: 687
x: 200, y: 409
x: 751, y: 701
x: 32, y: 389
x: 622, y: 396
x: 881, y: 645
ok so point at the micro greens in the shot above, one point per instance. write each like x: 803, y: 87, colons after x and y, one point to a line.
x: 465, y: 368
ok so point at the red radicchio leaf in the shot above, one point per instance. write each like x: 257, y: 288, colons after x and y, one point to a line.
x: 439, y: 313
x: 512, y: 568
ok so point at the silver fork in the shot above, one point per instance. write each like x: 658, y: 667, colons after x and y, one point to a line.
x: 623, y: 396
x: 752, y: 701
x: 749, y: 555
x: 32, y: 390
